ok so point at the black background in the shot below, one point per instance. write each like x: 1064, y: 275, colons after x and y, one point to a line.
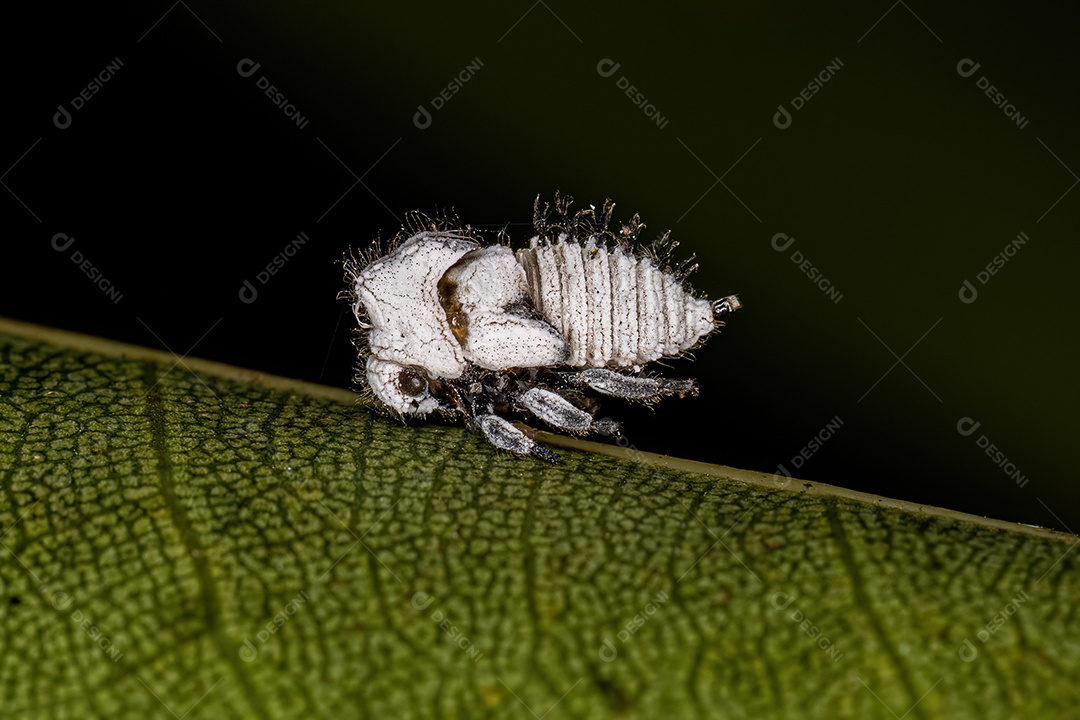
x: 899, y: 180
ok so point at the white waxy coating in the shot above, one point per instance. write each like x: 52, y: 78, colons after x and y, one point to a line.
x: 576, y: 313
x: 598, y: 287
x: 599, y: 308
x: 612, y: 308
x: 451, y: 326
x: 400, y: 293
x: 624, y: 323
x: 648, y: 332
x: 490, y: 286
x: 556, y: 410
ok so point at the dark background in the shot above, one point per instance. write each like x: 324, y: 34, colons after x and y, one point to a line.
x: 899, y: 180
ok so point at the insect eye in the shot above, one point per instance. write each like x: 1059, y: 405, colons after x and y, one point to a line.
x: 412, y: 383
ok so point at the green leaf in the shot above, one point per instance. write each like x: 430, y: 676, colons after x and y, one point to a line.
x: 187, y: 539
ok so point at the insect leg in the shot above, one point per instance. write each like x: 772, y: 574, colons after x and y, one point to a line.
x: 628, y: 387
x: 505, y: 436
x: 559, y: 412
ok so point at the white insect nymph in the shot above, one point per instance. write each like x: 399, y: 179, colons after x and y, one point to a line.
x: 455, y: 326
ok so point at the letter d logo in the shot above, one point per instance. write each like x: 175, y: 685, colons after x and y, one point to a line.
x: 422, y: 118
x: 248, y: 652
x: 968, y: 293
x: 607, y: 67
x: 967, y: 67
x: 966, y: 426
x: 782, y: 118
x: 62, y: 118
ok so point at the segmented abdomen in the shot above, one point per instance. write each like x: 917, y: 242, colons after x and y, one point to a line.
x: 612, y: 307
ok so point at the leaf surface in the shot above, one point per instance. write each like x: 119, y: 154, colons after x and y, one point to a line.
x: 192, y: 540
